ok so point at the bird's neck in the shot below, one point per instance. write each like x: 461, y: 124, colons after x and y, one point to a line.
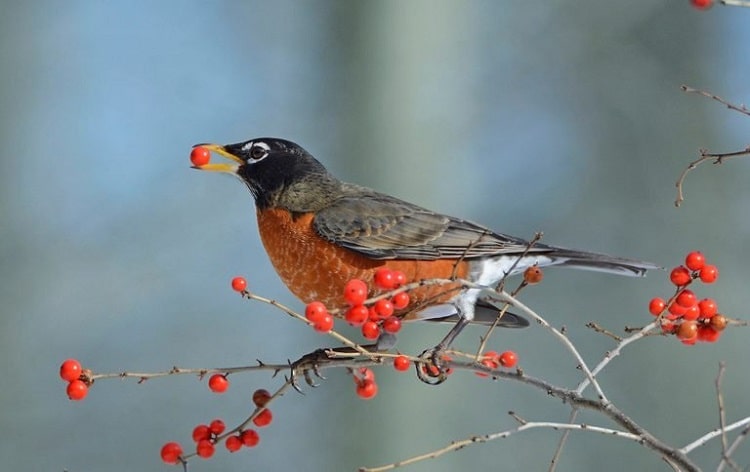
x: 307, y: 194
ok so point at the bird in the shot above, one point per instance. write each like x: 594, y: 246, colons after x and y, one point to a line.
x: 320, y: 232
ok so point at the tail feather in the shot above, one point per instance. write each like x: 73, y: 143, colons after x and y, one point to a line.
x: 600, y: 262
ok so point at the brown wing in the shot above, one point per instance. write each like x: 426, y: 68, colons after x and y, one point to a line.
x: 384, y: 227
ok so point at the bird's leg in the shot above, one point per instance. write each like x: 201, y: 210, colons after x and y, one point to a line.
x: 451, y: 336
x: 435, y: 355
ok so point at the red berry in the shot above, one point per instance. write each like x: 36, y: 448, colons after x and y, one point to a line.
x: 401, y: 363
x: 217, y: 427
x: 355, y: 292
x: 400, y: 300
x: 709, y: 273
x: 384, y: 308
x: 77, y: 390
x: 687, y: 298
x: 489, y: 363
x: 708, y: 334
x: 533, y: 275
x: 430, y: 370
x: 676, y: 309
x: 70, y: 370
x: 264, y: 418
x: 508, y: 359
x: 385, y: 279
x: 171, y: 452
x: 708, y: 307
x: 261, y: 397
x: 695, y: 260
x: 205, y: 448
x: 250, y: 438
x: 364, y: 373
x: 692, y: 313
x: 218, y: 383
x: 656, y: 306
x: 314, y: 311
x: 367, y: 389
x: 702, y: 4
x: 324, y: 324
x: 392, y: 324
x: 239, y: 284
x: 201, y: 431
x: 233, y: 443
x: 200, y: 156
x: 494, y: 357
x: 690, y: 341
x: 356, y: 315
x: 370, y: 330
x: 680, y: 276
x: 399, y: 278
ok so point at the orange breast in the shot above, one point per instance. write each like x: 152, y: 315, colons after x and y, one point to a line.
x: 315, y: 269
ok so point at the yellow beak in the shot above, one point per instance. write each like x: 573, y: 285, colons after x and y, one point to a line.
x: 220, y: 167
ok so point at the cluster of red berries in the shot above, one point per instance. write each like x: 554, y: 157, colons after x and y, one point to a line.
x: 493, y: 360
x: 683, y: 315
x: 206, y: 436
x: 373, y: 320
x: 78, y: 383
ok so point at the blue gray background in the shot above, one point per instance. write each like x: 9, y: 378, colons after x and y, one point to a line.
x: 554, y: 116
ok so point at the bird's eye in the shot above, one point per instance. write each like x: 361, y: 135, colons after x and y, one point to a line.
x: 259, y: 151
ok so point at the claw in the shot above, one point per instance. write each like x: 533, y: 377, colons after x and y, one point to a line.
x: 430, y: 360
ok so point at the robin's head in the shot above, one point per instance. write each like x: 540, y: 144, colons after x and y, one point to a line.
x: 279, y: 173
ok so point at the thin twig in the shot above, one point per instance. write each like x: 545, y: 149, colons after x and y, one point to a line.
x: 505, y: 297
x: 563, y: 439
x: 722, y: 418
x: 717, y: 158
x: 735, y: 444
x: 599, y: 329
x: 714, y: 433
x: 740, y: 108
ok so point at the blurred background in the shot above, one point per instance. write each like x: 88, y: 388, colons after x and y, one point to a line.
x: 554, y: 116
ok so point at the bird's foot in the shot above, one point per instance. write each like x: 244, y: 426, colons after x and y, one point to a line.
x: 307, y: 366
x: 432, y: 369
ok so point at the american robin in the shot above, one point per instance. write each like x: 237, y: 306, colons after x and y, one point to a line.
x: 320, y: 232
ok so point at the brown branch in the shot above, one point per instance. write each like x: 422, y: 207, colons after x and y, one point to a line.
x: 562, y: 442
x: 740, y: 108
x: 599, y: 329
x: 725, y: 458
x: 717, y: 158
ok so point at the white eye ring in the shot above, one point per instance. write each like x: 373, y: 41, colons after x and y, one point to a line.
x: 258, y: 151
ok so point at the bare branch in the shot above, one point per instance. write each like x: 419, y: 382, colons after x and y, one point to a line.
x: 456, y: 445
x: 740, y: 108
x: 714, y: 433
x: 717, y: 158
